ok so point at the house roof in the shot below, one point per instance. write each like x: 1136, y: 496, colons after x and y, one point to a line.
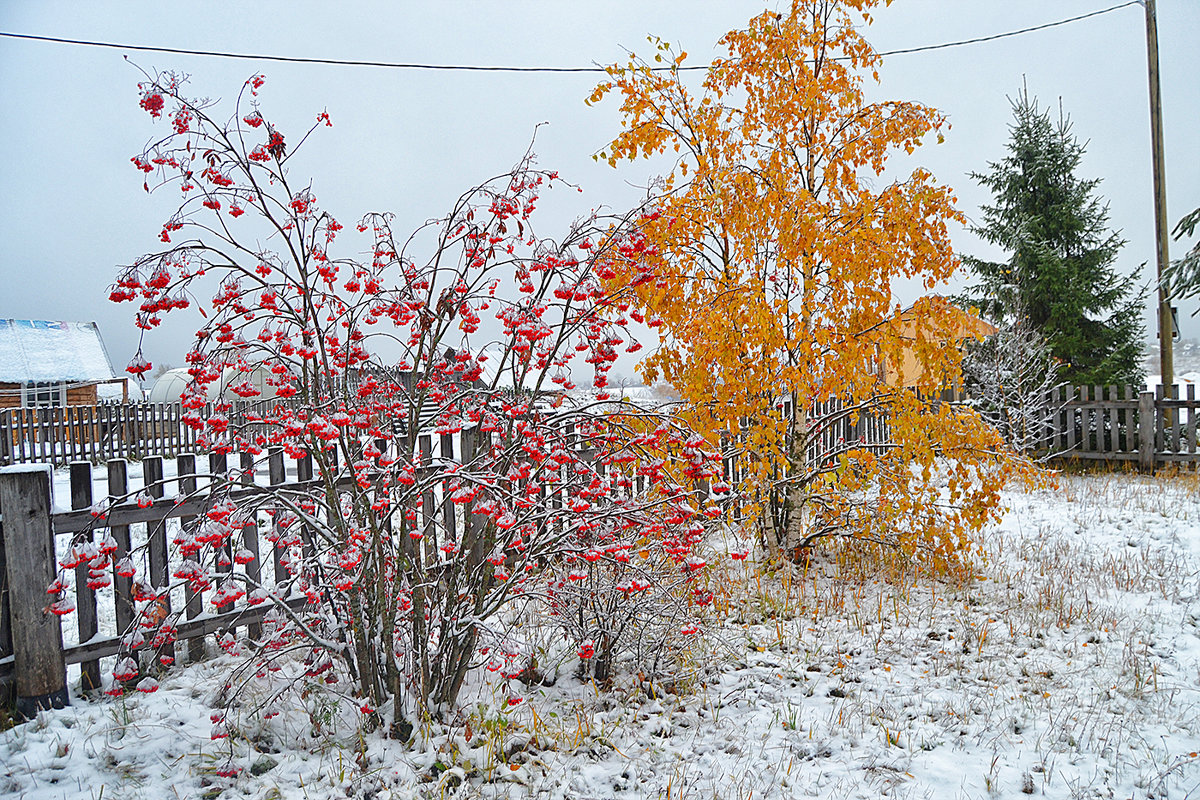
x: 33, y: 350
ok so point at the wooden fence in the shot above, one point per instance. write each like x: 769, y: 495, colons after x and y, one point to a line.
x: 59, y: 435
x: 33, y: 657
x: 1091, y: 423
x: 1118, y: 424
x: 1095, y: 423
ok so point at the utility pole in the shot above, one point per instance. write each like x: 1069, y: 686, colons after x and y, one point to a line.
x: 1166, y: 321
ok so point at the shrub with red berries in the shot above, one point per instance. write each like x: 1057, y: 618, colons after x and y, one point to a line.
x: 427, y: 384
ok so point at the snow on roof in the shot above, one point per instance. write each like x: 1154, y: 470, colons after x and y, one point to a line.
x: 34, y: 350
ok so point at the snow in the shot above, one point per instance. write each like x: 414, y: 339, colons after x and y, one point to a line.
x: 1181, y: 382
x: 1069, y: 666
x: 50, y: 351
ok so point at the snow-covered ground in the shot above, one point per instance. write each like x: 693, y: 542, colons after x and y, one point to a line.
x: 1069, y: 667
x: 1182, y: 382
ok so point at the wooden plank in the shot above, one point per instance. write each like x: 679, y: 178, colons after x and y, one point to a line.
x: 193, y: 601
x: 473, y: 541
x: 85, y: 434
x: 129, y: 513
x: 93, y: 434
x: 277, y: 476
x: 428, y: 503
x: 118, y: 486
x: 113, y: 423
x: 137, y: 434
x: 1110, y: 420
x: 117, y: 414
x: 156, y: 546
x: 40, y: 670
x: 1160, y: 429
x: 193, y: 629
x: 54, y: 429
x: 1191, y: 419
x: 85, y: 597
x: 218, y: 469
x: 68, y: 435
x: 1119, y: 412
x: 253, y: 569
x: 1173, y: 421
x: 75, y: 432
x: 39, y: 416
x: 71, y: 431
x: 28, y: 436
x: 1085, y: 420
x: 101, y: 434
x: 1147, y: 423
x: 6, y: 437
x: 1072, y: 411
x: 1178, y: 458
x: 448, y: 512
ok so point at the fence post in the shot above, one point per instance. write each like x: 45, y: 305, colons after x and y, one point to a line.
x: 1146, y: 429
x: 41, y: 670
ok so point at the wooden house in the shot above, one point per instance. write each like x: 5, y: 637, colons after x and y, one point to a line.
x: 937, y: 319
x: 46, y: 363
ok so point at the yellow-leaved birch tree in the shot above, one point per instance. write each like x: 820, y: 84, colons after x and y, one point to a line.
x: 767, y: 263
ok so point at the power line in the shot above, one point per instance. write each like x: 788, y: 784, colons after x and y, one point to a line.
x: 482, y: 68
x: 1006, y: 35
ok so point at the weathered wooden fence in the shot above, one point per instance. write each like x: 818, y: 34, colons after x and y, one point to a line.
x: 33, y: 538
x: 33, y: 534
x: 1097, y: 423
x: 61, y: 434
x: 1119, y: 424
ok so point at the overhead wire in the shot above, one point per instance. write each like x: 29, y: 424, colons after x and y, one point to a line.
x: 501, y: 68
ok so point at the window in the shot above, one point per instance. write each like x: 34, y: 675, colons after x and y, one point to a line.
x: 43, y: 395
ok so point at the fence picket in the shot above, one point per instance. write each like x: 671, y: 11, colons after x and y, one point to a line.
x: 1173, y: 420
x: 250, y: 543
x: 156, y: 537
x: 448, y: 512
x: 85, y: 595
x: 1191, y: 420
x: 276, y: 476
x: 118, y: 486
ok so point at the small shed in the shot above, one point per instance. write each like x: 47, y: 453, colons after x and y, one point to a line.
x: 52, y: 363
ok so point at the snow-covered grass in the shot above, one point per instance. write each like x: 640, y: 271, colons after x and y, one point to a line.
x: 1068, y: 667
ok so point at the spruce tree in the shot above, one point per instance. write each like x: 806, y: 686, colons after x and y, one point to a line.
x: 1060, y: 277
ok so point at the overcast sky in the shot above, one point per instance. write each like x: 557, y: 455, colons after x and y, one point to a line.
x: 72, y: 207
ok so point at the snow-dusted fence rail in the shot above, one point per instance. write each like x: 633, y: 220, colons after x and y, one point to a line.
x: 33, y: 535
